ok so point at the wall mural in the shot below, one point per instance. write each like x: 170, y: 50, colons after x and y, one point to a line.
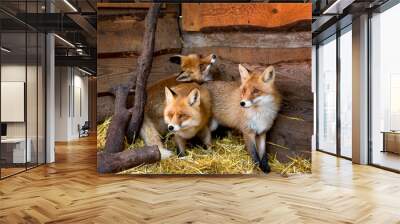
x: 204, y: 88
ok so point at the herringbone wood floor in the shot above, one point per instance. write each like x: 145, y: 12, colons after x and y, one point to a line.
x: 70, y: 191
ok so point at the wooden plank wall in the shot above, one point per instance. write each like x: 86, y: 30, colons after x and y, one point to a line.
x: 120, y: 28
x: 256, y: 35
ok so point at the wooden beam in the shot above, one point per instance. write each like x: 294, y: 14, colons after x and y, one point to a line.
x: 198, y: 17
x: 111, y: 5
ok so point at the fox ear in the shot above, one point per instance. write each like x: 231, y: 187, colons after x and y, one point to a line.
x: 183, y: 77
x: 176, y: 59
x: 169, y: 95
x: 194, y: 97
x: 210, y: 59
x: 244, y: 74
x: 269, y: 74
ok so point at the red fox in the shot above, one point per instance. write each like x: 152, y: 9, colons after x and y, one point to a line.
x: 194, y: 68
x: 187, y: 113
x: 249, y: 106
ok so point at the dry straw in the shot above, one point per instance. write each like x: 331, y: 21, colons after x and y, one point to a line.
x: 227, y: 156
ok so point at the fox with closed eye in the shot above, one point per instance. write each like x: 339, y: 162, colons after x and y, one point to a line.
x: 249, y: 106
x: 187, y: 113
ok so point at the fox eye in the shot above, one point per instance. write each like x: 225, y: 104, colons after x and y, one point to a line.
x: 256, y: 91
x: 183, y: 116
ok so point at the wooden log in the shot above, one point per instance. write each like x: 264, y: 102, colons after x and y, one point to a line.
x: 199, y: 17
x: 125, y: 34
x: 113, y: 158
x: 113, y: 71
x: 248, y: 39
x: 142, y: 73
x: 290, y: 137
x: 119, y: 123
x: 255, y: 55
x: 105, y: 108
x: 134, y: 54
x: 119, y: 5
x: 115, y: 162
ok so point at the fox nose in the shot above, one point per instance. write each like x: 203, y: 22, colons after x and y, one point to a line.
x: 242, y: 103
x: 213, y: 58
x: 170, y: 127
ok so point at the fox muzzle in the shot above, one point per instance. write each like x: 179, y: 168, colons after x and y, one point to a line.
x: 246, y: 103
x: 173, y: 128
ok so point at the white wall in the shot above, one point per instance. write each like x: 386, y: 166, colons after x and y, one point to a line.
x: 33, y: 126
x: 17, y: 73
x: 71, y: 94
x: 62, y: 81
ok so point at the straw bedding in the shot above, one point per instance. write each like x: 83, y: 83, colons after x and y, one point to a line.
x: 227, y: 156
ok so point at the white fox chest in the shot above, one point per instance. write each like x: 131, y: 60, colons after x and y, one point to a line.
x: 260, y: 119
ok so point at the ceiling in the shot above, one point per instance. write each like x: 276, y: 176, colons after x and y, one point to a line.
x: 74, y: 22
x: 332, y: 15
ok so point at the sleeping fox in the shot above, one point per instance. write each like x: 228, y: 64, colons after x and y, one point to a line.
x: 187, y: 113
x: 249, y: 106
x: 194, y: 68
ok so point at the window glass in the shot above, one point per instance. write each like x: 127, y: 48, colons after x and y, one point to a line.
x: 346, y: 93
x: 385, y: 89
x: 327, y: 96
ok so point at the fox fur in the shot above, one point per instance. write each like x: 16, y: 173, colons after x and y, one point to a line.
x: 249, y: 106
x: 194, y: 68
x: 187, y: 113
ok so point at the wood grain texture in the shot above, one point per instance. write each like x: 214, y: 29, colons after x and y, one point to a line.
x: 247, y: 39
x: 254, y: 55
x: 290, y: 137
x: 105, y: 108
x: 125, y: 33
x: 71, y: 191
x: 125, y: 5
x: 199, y: 16
x: 270, y: 43
x: 113, y: 71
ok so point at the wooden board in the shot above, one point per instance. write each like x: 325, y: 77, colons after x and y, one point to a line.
x: 200, y: 16
x: 290, y: 137
x: 112, y: 72
x: 255, y: 55
x: 125, y: 5
x: 124, y: 33
x: 248, y: 39
x: 105, y: 108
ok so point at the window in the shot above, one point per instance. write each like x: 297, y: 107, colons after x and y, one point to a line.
x: 22, y: 78
x: 385, y: 89
x: 327, y: 96
x: 346, y: 92
x: 334, y: 106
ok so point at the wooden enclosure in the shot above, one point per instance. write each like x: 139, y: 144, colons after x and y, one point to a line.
x: 255, y: 35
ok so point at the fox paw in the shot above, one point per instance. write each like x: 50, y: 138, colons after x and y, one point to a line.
x: 264, y: 166
x: 165, y: 153
x: 181, y: 154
